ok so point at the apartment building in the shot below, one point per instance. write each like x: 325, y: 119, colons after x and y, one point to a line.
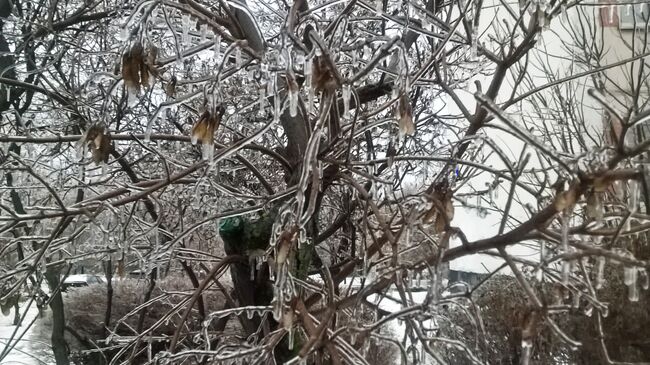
x: 625, y: 37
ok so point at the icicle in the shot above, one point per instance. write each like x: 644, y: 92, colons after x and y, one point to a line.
x: 633, y: 292
x: 576, y: 299
x: 394, y: 93
x: 238, y: 58
x: 645, y: 284
x: 628, y: 10
x: 82, y: 174
x: 346, y: 98
x: 526, y: 349
x: 595, y: 207
x: 379, y: 4
x: 252, y: 270
x: 8, y: 93
x: 541, y: 18
x: 566, y: 272
x: 300, y: 58
x: 132, y: 96
x: 633, y: 196
x: 204, y: 32
x: 163, y: 117
x: 425, y: 21
x: 302, y: 237
x: 489, y: 191
x: 423, y: 353
x: 81, y: 151
x: 104, y: 170
x: 604, y: 311
x: 473, y: 52
x: 270, y: 85
x: 262, y: 100
x: 290, y: 339
x: 280, y: 59
x: 147, y: 133
x: 563, y: 10
x: 308, y: 82
x: 365, y: 263
x: 208, y: 152
x: 310, y: 100
x: 367, y: 53
x: 482, y: 212
x: 308, y: 69
x: 185, y: 23
x: 566, y: 267
x: 600, y: 272
x: 124, y: 34
x: 401, y: 63
x: 277, y: 307
x: 216, y: 49
x: 629, y: 275
x: 277, y: 107
x: 531, y: 8
x: 293, y: 102
x: 542, y: 257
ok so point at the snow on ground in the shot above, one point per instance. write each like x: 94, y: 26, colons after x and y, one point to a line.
x: 33, y: 348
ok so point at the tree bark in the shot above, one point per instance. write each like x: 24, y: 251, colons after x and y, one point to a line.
x: 109, y: 295
x: 59, y: 346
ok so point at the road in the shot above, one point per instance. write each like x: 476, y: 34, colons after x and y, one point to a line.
x: 33, y: 348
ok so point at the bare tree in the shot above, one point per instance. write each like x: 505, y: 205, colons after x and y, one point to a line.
x: 273, y: 151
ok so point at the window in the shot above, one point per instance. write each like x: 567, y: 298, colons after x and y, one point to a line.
x: 625, y: 16
x: 633, y: 15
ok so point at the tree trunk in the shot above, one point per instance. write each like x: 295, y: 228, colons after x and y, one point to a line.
x: 109, y: 295
x: 16, y: 314
x: 59, y: 346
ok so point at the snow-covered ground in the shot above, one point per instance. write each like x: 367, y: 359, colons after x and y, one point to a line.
x: 33, y: 348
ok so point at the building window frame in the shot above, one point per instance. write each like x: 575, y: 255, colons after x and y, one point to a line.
x: 633, y: 16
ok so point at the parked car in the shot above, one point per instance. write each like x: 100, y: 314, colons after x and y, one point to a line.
x: 76, y: 281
